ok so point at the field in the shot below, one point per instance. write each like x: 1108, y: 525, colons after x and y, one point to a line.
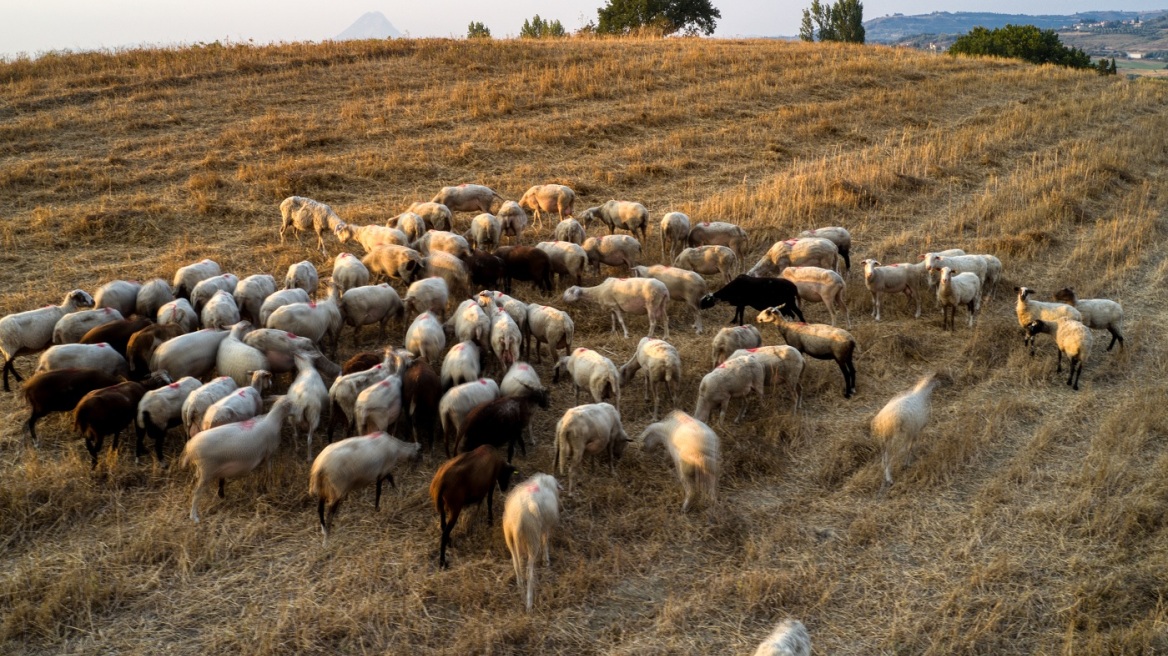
x: 1032, y: 520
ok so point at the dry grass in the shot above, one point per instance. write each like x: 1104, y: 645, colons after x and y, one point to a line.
x: 1032, y: 520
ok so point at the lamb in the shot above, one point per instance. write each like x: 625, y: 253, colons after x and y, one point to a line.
x: 547, y: 325
x: 302, y: 275
x: 549, y: 198
x: 232, y: 450
x: 506, y: 339
x: 309, y: 396
x: 161, y: 410
x: 1073, y: 339
x: 622, y: 214
x: 467, y: 198
x: 352, y: 464
x: 30, y: 332
x: 73, y: 326
x: 501, y: 422
x: 818, y: 341
x: 525, y: 263
x: 567, y: 259
x: 838, y: 236
x: 591, y: 371
x: 569, y: 230
x: 425, y: 338
x: 372, y: 236
x: 662, y: 365
x: 190, y: 275
x: 613, y: 250
x: 961, y: 289
x: 1029, y: 311
x: 807, y: 251
x: 140, y: 349
x: 435, y: 215
x: 895, y: 279
x: 485, y: 230
x: 242, y: 403
x: 440, y: 240
x: 369, y: 304
x: 108, y: 410
x: 250, y: 294
x: 394, y: 262
x: 632, y: 295
x: 684, y: 287
x: 117, y: 334
x: 788, y: 639
x: 461, y: 364
x: 730, y: 380
x: 99, y: 356
x: 816, y: 284
x: 733, y: 338
x: 899, y: 423
x: 458, y: 401
x: 421, y: 394
x: 197, y: 402
x: 307, y: 214
x: 410, y: 224
x: 348, y: 272
x: 60, y: 391
x: 512, y: 220
x: 780, y: 363
x: 1098, y: 313
x: 718, y: 233
x: 451, y: 270
x: 192, y: 354
x: 758, y: 293
x: 153, y: 294
x: 674, y: 232
x: 321, y: 321
x: 221, y: 311
x: 485, y: 269
x: 530, y: 513
x: 463, y: 480
x: 120, y: 295
x: 590, y: 429
x: 278, y: 300
x: 693, y: 447
x: 427, y: 295
x: 179, y: 312
x: 708, y: 260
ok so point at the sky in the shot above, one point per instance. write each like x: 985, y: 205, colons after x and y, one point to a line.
x: 35, y: 26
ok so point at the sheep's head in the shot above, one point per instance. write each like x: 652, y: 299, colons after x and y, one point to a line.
x: 1065, y: 295
x: 560, y: 365
x: 771, y: 315
x: 946, y: 275
x: 80, y: 298
x: 620, y: 443
x: 708, y: 301
x: 1033, y: 328
x: 1023, y: 292
x: 652, y: 437
x: 573, y: 294
x: 344, y: 232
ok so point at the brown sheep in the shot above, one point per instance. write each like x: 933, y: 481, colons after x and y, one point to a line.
x: 108, y: 410
x: 59, y: 391
x: 463, y: 480
x: 116, y: 333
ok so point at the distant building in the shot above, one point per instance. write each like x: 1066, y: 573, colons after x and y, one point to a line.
x: 1135, y: 55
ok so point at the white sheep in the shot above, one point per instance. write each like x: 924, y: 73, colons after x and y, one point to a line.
x: 960, y: 289
x: 819, y: 341
x: 370, y: 304
x: 372, y: 236
x: 530, y: 513
x: 427, y: 295
x: 192, y: 354
x: 632, y: 295
x: 512, y: 219
x: 354, y: 463
x: 462, y: 364
x: 451, y: 270
x: 548, y: 325
x: 622, y: 214
x: 161, y: 409
x: 320, y: 321
x: 548, y: 198
x: 506, y: 339
x: 457, y: 403
x: 836, y: 235
x: 674, y: 232
x: 302, y: 275
x: 220, y: 311
x: 345, y: 389
x: 591, y: 371
x: 806, y: 251
x: 190, y: 275
x: 379, y: 406
x: 662, y: 366
x: 309, y: 396
x: 154, y: 294
x: 591, y: 429
x: 816, y: 284
x: 100, y: 356
x: 1098, y: 313
x: 1029, y: 311
x: 569, y: 230
x: 1074, y: 340
x: 24, y: 333
x: 731, y: 339
x: 693, y: 447
x: 471, y: 323
x: 250, y: 294
x: 708, y: 261
x: 521, y: 379
x: 788, y: 639
x: 436, y: 215
x: 733, y: 379
x: 567, y: 259
x: 440, y: 240
x: 485, y: 230
x: 613, y: 250
x: 899, y: 423
x: 196, y: 403
x: 237, y: 359
x: 517, y: 309
x: 894, y: 279
x: 242, y: 403
x: 179, y: 312
x: 120, y: 295
x: 934, y: 262
x: 467, y: 198
x: 425, y: 337
x: 72, y: 327
x: 305, y: 214
x: 394, y: 262
x: 684, y: 287
x: 780, y: 363
x: 279, y: 299
x: 993, y: 274
x: 208, y: 288
x: 232, y: 450
x: 718, y: 233
x: 411, y: 225
x: 348, y: 272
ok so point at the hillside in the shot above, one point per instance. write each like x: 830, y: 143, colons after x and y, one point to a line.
x: 1032, y: 519
x: 897, y: 27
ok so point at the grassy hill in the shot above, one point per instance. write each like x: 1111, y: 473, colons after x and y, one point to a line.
x: 1032, y: 520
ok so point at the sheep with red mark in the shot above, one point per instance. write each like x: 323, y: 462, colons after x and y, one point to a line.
x: 379, y: 406
x: 547, y: 325
x: 467, y: 479
x: 449, y: 269
x: 488, y: 300
x: 612, y: 250
x: 142, y: 344
x: 506, y: 339
x: 525, y: 263
x: 458, y: 401
x: 161, y: 410
x: 662, y: 365
x: 192, y: 354
x: 180, y: 312
x: 708, y: 261
x: 425, y: 337
x: 320, y: 321
x: 632, y: 295
x: 370, y: 304
x: 530, y: 513
x: 694, y: 449
x: 73, y: 326
x: 196, y: 403
x: 59, y: 391
x: 806, y: 251
x: 733, y: 379
x: 190, y: 275
x: 279, y: 299
x: 548, y: 198
x: 120, y: 295
x: 718, y: 233
x: 243, y: 403
x: 304, y: 214
x: 302, y: 275
x: 100, y: 356
x: 345, y: 389
x: 220, y: 311
x: 109, y: 410
x: 30, y: 332
x: 206, y: 289
x: 591, y: 429
x: 591, y: 371
x: 467, y: 198
x: 462, y: 364
x: 250, y: 294
x: 427, y: 295
x: 471, y: 323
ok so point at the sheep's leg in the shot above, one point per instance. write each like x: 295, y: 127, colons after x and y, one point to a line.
x: 686, y: 485
x: 875, y: 305
x: 620, y: 317
x: 195, y: 500
x: 908, y: 290
x: 547, y: 554
x: 32, y: 420
x: 444, y: 541
x: 1060, y: 363
x: 94, y: 447
x: 313, y: 424
x: 1115, y: 336
x: 697, y: 318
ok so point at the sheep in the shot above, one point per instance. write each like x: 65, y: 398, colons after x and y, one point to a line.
x: 512, y: 220
x: 569, y: 230
x: 836, y: 235
x: 485, y: 230
x: 372, y: 236
x: 816, y: 284
x: 435, y: 215
x: 471, y: 323
x: 632, y: 295
x: 895, y: 279
x: 427, y: 295
x: 1029, y: 311
x: 196, y: 404
x: 525, y: 263
x: 73, y: 326
x: 237, y: 359
x: 140, y: 349
x: 203, y: 291
x: 305, y: 214
x: 613, y: 250
x: 179, y: 312
x: 190, y: 275
x: 516, y: 308
x: 309, y: 397
x: 674, y: 231
x: 59, y: 391
x: 622, y: 214
x: 788, y: 639
x: 501, y: 422
x: 1073, y: 339
x: 718, y: 233
x: 463, y: 480
x: 467, y: 198
x: 506, y: 339
x: 362, y: 361
x: 733, y: 338
x: 779, y: 362
x: 410, y: 224
x: 250, y: 294
x: 421, y: 393
x: 24, y: 333
x: 271, y: 341
x: 352, y: 464
x: 117, y: 334
x: 961, y: 289
x: 461, y: 364
x: 348, y: 272
x: 547, y: 325
x: 590, y: 429
x: 818, y: 341
x: 161, y: 410
x: 120, y: 295
x: 520, y: 380
x: 99, y: 356
x: 192, y: 354
x: 279, y: 299
x: 109, y: 410
x: 451, y: 270
x: 592, y: 371
x: 440, y: 240
x: 425, y: 338
x: 993, y: 274
x: 567, y: 259
x: 758, y: 293
x: 708, y: 260
x: 302, y: 275
x: 153, y: 294
x: 344, y: 391
x: 662, y: 365
x: 320, y: 321
x: 806, y: 251
x: 684, y: 287
x: 394, y: 262
x: 232, y: 450
x: 1098, y: 313
x: 221, y: 311
x: 460, y: 400
x: 899, y: 423
x: 730, y: 380
x: 242, y: 403
x: 693, y: 447
x: 369, y: 304
x: 530, y: 513
x: 548, y: 198
x: 485, y: 269
x: 934, y: 262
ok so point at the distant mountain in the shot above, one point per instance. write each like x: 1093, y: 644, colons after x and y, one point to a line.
x: 372, y: 25
x: 897, y: 28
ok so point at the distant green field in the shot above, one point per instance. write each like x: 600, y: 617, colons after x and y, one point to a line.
x: 1139, y: 64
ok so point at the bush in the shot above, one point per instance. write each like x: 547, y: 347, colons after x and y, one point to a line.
x: 538, y: 28
x: 476, y: 30
x: 1025, y: 42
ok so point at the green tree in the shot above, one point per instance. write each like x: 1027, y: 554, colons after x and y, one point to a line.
x: 842, y: 20
x: 476, y: 30
x: 538, y: 28
x: 1105, y: 66
x: 1025, y: 42
x: 668, y: 16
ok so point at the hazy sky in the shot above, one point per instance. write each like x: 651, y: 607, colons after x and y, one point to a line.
x: 34, y: 26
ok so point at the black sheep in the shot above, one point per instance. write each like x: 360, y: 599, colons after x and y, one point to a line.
x: 757, y: 292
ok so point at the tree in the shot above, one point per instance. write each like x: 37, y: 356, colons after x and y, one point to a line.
x: 1105, y: 67
x: 1025, y: 42
x: 476, y: 30
x: 690, y: 17
x: 842, y: 20
x: 538, y: 28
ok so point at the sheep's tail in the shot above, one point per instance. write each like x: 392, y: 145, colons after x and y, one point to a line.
x: 318, y: 482
x: 187, y: 455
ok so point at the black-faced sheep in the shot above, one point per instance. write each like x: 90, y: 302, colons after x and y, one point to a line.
x: 758, y: 293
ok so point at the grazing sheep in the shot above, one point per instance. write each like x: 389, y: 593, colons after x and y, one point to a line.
x: 192, y: 354
x: 461, y: 364
x: 161, y: 410
x: 467, y: 198
x: 1029, y: 311
x: 899, y: 423
x: 179, y: 312
x: 279, y: 299
x: 622, y: 214
x: 506, y: 339
x: 1073, y: 339
x: 1098, y: 313
x: 305, y: 214
x: 440, y: 240
x: 348, y: 272
x: 547, y: 325
x: 512, y: 219
x: 421, y: 394
x: 221, y: 311
x: 369, y: 304
x: 463, y: 480
x: 427, y: 295
x: 674, y: 232
x: 708, y: 260
x: 344, y: 391
x: 203, y: 291
x: 73, y: 326
x: 435, y: 215
x: 807, y: 251
x: 232, y: 450
x: 961, y: 289
x: 684, y: 287
x: 501, y: 422
x: 99, y: 356
x: 779, y: 362
x: 816, y: 284
x: 662, y: 365
x: 485, y: 230
x: 548, y: 198
x: 410, y: 224
x: 237, y: 359
x: 451, y: 270
x: 309, y: 397
x: 458, y: 401
x: 120, y: 295
x: 197, y: 402
x: 838, y: 236
x: 242, y: 403
x: 394, y: 262
x: 521, y: 380
x: 569, y: 230
x: 117, y: 334
x: 592, y: 371
x: 894, y: 279
x: 320, y: 321
x: 352, y: 464
x: 632, y: 295
x: 525, y: 263
x: 485, y: 269
x: 567, y: 259
x: 154, y: 294
x: 140, y: 349
x: 514, y: 307
x: 372, y: 236
x: 733, y: 338
x: 613, y: 250
x: 693, y: 447
x: 818, y: 341
x: 530, y: 513
x: 788, y: 639
x: 733, y: 379
x: 590, y: 429
x: 250, y: 294
x: 190, y: 275
x: 109, y: 410
x: 302, y: 275
x: 718, y: 233
x: 30, y: 332
x: 425, y: 338
x: 758, y: 293
x: 59, y: 391
x: 472, y: 323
